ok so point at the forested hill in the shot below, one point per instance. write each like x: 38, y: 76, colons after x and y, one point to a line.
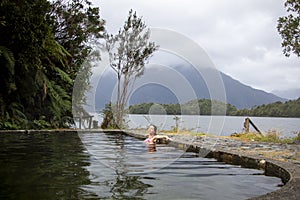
x: 278, y: 109
x: 204, y: 107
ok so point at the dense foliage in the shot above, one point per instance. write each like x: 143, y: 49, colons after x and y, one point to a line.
x: 194, y: 107
x: 108, y: 117
x: 289, y: 28
x: 43, y: 43
x: 278, y: 109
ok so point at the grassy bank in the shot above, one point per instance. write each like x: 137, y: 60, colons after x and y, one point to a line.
x: 271, y: 136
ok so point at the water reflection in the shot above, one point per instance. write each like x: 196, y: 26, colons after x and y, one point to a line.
x: 118, y: 183
x: 135, y: 170
x: 43, y: 166
x: 58, y: 166
x: 151, y: 148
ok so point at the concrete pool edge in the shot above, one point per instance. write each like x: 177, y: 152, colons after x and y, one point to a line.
x: 287, y: 171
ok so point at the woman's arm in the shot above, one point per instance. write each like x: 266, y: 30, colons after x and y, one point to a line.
x: 162, y: 137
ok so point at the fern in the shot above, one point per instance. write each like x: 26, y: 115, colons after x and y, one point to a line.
x: 9, y: 58
x: 63, y: 75
x: 60, y: 100
x: 13, y: 117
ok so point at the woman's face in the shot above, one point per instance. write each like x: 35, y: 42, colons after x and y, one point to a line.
x: 151, y: 130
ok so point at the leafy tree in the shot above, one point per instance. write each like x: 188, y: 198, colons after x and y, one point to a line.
x: 289, y: 28
x: 108, y: 117
x: 27, y: 34
x: 128, y: 52
x: 77, y: 27
x: 36, y: 70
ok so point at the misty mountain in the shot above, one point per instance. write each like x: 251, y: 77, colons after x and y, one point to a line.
x: 160, y: 85
x: 243, y: 96
x: 289, y: 94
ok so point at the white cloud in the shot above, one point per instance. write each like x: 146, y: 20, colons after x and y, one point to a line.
x: 239, y: 36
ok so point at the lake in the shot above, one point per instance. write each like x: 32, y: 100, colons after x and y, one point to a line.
x: 217, y: 125
x: 115, y: 166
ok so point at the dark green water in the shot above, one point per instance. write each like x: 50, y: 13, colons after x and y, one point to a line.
x: 42, y: 166
x: 105, y: 166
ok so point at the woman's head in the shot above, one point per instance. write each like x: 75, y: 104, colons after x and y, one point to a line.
x: 152, y: 129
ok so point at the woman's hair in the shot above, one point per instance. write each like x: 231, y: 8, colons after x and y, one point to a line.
x: 155, y: 128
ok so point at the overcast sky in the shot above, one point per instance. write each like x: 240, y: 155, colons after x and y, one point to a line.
x: 240, y: 36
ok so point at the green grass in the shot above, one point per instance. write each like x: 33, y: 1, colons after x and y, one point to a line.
x: 272, y: 136
x: 182, y: 132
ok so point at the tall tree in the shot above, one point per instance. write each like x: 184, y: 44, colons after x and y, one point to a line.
x: 77, y: 27
x: 289, y: 28
x: 37, y: 69
x: 37, y: 78
x: 128, y: 52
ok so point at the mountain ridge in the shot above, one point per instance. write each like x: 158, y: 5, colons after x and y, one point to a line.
x: 237, y: 93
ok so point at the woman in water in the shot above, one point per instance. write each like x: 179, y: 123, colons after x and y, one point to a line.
x: 153, y: 138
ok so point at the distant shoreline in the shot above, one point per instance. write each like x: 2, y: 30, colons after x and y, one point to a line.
x: 290, y: 109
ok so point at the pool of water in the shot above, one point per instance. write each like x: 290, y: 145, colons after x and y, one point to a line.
x: 115, y: 166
